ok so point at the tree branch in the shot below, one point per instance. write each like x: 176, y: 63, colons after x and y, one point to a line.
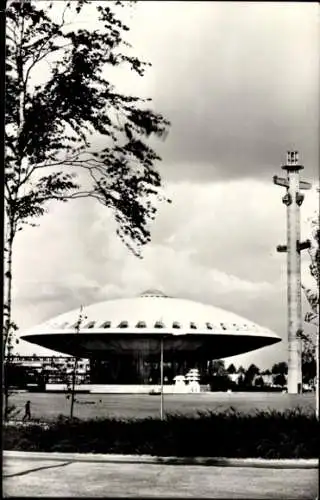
x: 27, y: 176
x: 36, y: 60
x: 39, y: 49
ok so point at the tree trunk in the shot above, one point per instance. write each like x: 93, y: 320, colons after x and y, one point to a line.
x: 10, y: 216
x: 7, y: 305
x: 11, y: 198
x: 7, y: 284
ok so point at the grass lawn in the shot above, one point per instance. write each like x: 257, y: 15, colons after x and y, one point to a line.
x: 46, y: 406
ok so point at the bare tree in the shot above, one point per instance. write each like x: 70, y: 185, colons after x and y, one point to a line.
x: 71, y: 387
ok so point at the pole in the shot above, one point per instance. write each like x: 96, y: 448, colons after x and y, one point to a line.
x: 161, y: 378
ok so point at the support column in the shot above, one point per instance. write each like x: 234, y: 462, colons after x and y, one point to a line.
x: 294, y: 284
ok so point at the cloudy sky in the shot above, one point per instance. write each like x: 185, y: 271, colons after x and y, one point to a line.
x: 239, y: 83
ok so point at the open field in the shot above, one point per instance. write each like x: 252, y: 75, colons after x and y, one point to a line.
x: 46, y: 406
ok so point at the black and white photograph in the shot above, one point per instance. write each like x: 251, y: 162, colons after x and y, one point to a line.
x: 161, y: 255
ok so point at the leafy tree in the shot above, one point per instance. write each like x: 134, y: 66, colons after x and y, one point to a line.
x: 218, y: 377
x: 231, y: 369
x: 266, y: 372
x: 280, y: 368
x: 310, y: 345
x: 259, y: 382
x: 309, y: 368
x: 49, y: 124
x: 250, y: 374
x: 218, y: 367
x: 280, y: 379
x: 241, y: 369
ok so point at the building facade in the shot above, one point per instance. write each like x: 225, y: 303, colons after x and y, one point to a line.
x: 48, y: 369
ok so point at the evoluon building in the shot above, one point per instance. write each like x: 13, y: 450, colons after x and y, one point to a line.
x: 125, y: 339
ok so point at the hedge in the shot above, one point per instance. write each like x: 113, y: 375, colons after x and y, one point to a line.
x: 271, y: 434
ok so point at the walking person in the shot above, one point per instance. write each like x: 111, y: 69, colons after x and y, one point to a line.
x: 27, y: 411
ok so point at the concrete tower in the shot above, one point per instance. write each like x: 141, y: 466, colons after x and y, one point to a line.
x: 293, y: 200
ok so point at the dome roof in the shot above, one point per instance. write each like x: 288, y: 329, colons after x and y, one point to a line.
x: 147, y: 310
x: 151, y: 315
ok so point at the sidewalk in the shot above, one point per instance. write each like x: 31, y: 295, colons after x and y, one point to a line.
x: 74, y: 475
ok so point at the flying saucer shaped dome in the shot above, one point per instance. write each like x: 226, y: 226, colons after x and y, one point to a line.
x: 129, y: 325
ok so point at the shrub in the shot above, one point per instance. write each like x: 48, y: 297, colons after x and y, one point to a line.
x: 271, y: 434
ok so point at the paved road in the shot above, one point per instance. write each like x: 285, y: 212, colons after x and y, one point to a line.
x: 36, y: 477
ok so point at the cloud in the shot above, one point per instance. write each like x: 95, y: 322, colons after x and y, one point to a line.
x: 215, y: 243
x: 238, y: 84
x: 240, y: 88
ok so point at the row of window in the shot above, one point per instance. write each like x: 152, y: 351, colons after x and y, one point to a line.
x: 160, y: 324
x: 46, y: 360
x: 68, y: 365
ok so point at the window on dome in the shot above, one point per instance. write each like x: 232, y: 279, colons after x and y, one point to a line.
x: 141, y: 324
x: 176, y: 324
x: 223, y: 326
x: 193, y: 326
x: 159, y: 324
x: 123, y: 324
x: 90, y: 324
x: 106, y: 324
x: 209, y: 326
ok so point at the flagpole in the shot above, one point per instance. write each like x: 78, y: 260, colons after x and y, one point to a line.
x: 161, y: 378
